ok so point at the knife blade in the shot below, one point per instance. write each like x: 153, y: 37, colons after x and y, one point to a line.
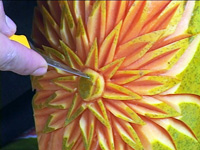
x: 59, y: 65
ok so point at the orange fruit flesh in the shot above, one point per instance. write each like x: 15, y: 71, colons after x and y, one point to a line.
x: 133, y: 52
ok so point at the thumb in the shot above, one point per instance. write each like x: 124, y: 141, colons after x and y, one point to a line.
x: 19, y: 59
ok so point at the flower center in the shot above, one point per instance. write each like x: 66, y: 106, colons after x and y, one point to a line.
x: 92, y: 88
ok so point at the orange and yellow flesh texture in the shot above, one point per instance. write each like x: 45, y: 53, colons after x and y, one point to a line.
x: 129, y: 50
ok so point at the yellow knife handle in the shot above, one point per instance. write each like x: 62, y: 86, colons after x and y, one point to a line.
x: 20, y: 39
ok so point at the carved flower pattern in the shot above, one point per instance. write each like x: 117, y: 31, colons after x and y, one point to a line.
x: 132, y: 100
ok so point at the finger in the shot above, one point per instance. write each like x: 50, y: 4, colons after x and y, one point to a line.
x: 7, y: 26
x: 19, y: 59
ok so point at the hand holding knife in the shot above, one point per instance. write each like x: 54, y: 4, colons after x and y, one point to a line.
x: 23, y: 40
